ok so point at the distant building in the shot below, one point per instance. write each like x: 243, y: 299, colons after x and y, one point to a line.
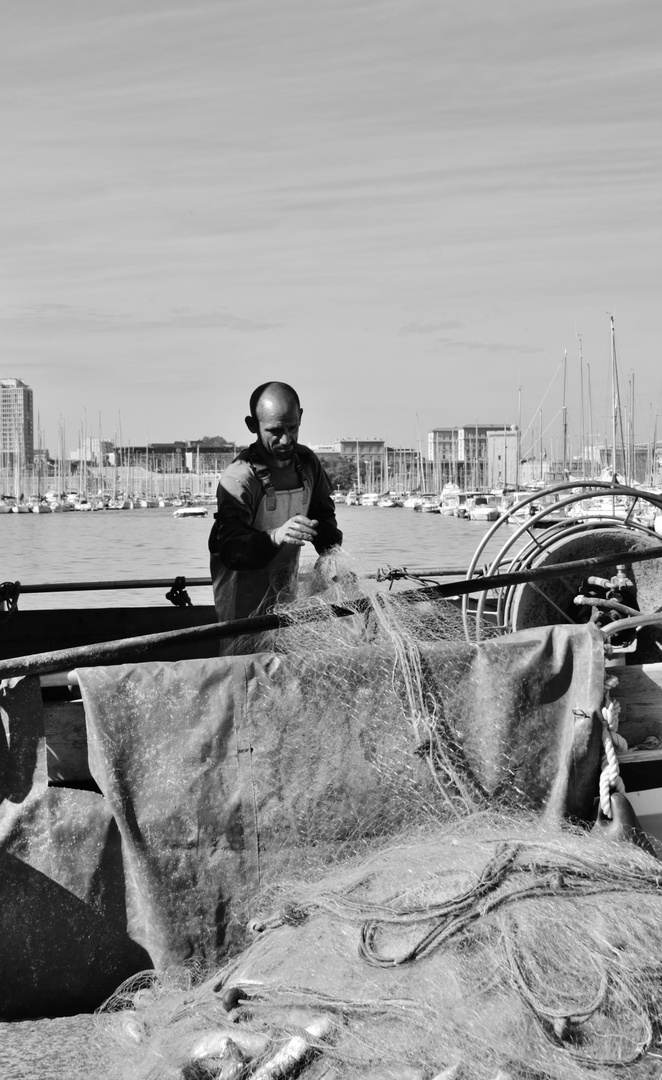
x: 503, y: 468
x: 93, y: 451
x: 325, y: 449
x: 16, y: 424
x: 370, y: 459
x: 460, y: 455
x: 380, y: 467
x: 175, y: 457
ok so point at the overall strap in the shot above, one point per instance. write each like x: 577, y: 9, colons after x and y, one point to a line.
x: 261, y: 473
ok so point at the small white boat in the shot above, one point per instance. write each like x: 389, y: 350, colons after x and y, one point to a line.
x: 413, y: 502
x: 190, y: 511
x: 429, y: 505
x: 370, y: 499
x: 484, y: 508
x: 465, y: 501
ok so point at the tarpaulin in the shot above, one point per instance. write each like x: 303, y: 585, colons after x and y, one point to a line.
x: 216, y: 773
x: 526, y: 709
x: 214, y: 769
x: 64, y: 945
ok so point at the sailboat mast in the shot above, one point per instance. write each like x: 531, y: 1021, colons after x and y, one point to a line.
x: 633, y: 465
x: 582, y: 422
x: 565, y: 416
x: 614, y: 400
x: 519, y: 436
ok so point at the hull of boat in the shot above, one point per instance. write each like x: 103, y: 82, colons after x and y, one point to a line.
x: 480, y: 514
x: 191, y: 512
x: 24, y: 633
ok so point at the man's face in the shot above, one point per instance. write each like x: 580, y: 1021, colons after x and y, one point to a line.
x: 277, y: 429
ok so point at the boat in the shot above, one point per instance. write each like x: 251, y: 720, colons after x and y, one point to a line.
x: 536, y: 508
x: 190, y: 511
x: 417, y: 499
x: 450, y: 494
x: 370, y: 498
x: 130, y: 843
x: 483, y: 508
x: 428, y: 505
x: 465, y: 500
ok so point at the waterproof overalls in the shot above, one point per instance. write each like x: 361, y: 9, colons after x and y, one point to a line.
x: 241, y: 593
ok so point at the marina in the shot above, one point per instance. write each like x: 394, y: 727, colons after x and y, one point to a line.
x: 290, y: 792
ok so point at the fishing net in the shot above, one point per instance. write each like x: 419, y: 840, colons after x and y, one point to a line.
x: 403, y: 925
x: 496, y: 947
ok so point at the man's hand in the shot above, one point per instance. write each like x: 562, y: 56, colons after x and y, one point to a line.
x: 295, y: 531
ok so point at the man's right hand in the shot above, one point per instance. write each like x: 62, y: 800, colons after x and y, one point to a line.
x: 295, y: 531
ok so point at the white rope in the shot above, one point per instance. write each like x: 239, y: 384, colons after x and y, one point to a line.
x: 612, y: 744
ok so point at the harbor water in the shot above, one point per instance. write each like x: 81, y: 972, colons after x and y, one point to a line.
x: 115, y: 545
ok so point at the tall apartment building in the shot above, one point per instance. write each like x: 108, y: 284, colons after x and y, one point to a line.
x: 16, y: 424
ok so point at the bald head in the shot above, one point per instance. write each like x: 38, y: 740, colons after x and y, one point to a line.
x: 272, y: 392
x: 275, y: 418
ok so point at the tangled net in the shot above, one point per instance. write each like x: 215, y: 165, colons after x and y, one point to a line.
x: 493, y: 945
x: 435, y: 937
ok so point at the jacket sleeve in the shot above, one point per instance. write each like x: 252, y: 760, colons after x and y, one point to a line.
x: 233, y: 538
x: 322, y: 508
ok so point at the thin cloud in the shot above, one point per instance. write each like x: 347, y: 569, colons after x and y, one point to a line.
x: 429, y: 328
x: 65, y: 317
x: 491, y: 346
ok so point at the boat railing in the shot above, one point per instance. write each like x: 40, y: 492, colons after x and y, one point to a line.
x: 123, y: 650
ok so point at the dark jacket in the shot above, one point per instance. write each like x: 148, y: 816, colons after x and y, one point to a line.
x: 242, y: 487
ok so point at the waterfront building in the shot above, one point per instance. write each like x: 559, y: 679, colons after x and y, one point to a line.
x: 380, y: 467
x: 503, y: 466
x: 16, y: 425
x: 459, y: 455
x: 94, y: 451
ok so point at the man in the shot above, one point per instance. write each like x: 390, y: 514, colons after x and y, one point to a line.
x: 274, y: 498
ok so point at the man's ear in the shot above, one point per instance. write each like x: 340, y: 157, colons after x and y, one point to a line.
x: 251, y: 424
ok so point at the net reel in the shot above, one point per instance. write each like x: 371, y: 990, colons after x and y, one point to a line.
x: 597, y: 518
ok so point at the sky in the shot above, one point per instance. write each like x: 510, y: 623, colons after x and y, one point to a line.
x: 408, y: 209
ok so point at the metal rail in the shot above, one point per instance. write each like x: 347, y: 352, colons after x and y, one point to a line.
x: 193, y: 582
x: 125, y: 649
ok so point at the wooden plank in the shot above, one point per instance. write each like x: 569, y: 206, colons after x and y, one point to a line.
x: 639, y: 693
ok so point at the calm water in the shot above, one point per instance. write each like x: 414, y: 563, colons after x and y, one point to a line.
x: 114, y: 545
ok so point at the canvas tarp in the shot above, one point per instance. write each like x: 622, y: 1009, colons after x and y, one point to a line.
x: 215, y: 773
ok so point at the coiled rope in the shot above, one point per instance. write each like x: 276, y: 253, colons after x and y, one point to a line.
x: 612, y: 744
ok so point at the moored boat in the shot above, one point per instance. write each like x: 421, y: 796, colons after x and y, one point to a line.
x: 166, y: 740
x: 190, y: 511
x: 483, y: 508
